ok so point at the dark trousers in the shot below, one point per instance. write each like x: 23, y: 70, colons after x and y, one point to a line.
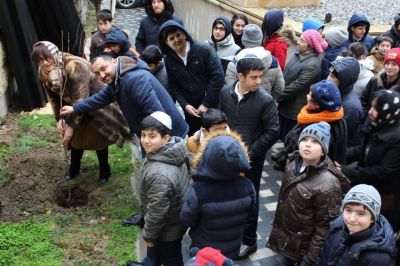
x: 164, y: 253
x: 102, y: 157
x: 285, y: 126
x: 193, y: 122
x: 250, y: 233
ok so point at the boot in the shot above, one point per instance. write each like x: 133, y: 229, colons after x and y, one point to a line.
x: 105, y: 171
x: 73, y: 171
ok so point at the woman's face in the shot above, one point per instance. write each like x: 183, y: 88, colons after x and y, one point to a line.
x: 238, y: 26
x: 47, y: 64
x: 392, y: 69
x: 373, y: 113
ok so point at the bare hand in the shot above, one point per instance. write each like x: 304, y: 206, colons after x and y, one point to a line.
x: 60, y: 127
x: 67, y: 136
x: 338, y: 166
x: 192, y: 111
x: 66, y: 110
x: 149, y: 244
x: 202, y: 109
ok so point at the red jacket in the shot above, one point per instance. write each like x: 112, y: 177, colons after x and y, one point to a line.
x: 278, y: 48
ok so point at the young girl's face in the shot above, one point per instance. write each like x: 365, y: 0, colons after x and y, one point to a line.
x: 310, y: 150
x: 357, y: 218
x: 384, y: 47
x: 238, y: 26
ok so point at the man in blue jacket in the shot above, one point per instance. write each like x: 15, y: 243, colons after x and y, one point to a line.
x: 358, y: 29
x: 194, y: 70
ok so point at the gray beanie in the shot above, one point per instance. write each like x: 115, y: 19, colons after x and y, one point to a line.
x: 336, y: 37
x: 365, y: 195
x: 319, y: 131
x: 252, y: 36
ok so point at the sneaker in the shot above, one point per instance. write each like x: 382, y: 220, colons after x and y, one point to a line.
x: 246, y: 250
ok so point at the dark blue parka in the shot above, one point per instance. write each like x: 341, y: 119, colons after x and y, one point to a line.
x: 330, y: 55
x: 138, y: 94
x: 150, y: 25
x: 201, y: 79
x: 374, y: 246
x: 348, y: 70
x: 368, y: 40
x: 220, y: 201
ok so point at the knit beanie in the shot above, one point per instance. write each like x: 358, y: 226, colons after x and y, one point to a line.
x: 393, y: 55
x: 252, y: 36
x: 397, y: 20
x: 314, y: 39
x: 163, y: 118
x: 365, y: 195
x: 312, y: 24
x: 335, y: 37
x: 319, y: 131
x: 327, y: 95
x: 53, y: 50
x: 387, y: 104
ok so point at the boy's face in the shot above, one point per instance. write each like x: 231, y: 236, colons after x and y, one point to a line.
x: 151, y: 140
x: 334, y: 79
x: 176, y: 41
x: 218, y: 31
x: 310, y: 150
x: 115, y: 47
x: 311, y: 105
x: 384, y: 47
x: 357, y: 217
x: 359, y: 31
x: 251, y: 81
x: 104, y: 69
x: 104, y: 26
x: 216, y: 127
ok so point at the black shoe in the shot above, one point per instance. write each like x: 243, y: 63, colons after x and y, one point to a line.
x: 104, y: 175
x: 133, y: 263
x: 102, y: 180
x: 246, y: 250
x: 135, y: 219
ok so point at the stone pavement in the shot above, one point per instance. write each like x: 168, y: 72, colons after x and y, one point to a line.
x: 270, y: 183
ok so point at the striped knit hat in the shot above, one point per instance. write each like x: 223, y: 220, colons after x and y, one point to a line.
x: 53, y: 50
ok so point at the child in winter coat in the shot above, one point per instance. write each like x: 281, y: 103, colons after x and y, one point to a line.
x: 383, y: 45
x: 220, y: 201
x: 360, y: 236
x: 164, y: 183
x: 309, y: 199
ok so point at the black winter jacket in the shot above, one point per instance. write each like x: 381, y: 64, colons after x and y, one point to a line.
x: 255, y: 118
x: 374, y: 246
x: 201, y: 79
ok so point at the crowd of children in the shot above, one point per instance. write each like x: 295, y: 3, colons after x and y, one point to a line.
x: 334, y: 101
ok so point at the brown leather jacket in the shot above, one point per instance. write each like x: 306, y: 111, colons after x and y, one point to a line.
x: 308, y: 201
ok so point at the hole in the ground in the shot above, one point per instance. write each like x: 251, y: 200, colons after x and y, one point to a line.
x: 71, y: 196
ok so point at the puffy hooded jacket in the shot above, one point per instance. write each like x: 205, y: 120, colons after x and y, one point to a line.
x: 201, y: 79
x: 150, y: 25
x: 164, y: 182
x: 348, y: 69
x: 374, y: 246
x: 367, y: 39
x: 220, y: 201
x: 138, y: 94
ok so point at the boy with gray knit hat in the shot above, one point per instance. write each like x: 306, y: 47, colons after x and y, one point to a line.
x: 361, y: 235
x: 309, y: 199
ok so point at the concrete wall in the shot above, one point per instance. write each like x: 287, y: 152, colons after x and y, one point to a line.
x: 3, y: 82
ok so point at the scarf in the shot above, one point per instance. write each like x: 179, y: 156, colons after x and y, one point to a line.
x: 305, y: 118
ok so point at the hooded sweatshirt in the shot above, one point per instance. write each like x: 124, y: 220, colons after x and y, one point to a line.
x: 366, y: 39
x: 138, y: 94
x: 116, y: 36
x: 220, y: 200
x: 150, y: 25
x: 200, y: 80
x: 348, y: 69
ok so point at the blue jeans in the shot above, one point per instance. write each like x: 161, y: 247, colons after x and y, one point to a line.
x: 164, y: 253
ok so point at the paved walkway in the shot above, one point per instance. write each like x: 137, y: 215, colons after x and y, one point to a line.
x: 270, y: 183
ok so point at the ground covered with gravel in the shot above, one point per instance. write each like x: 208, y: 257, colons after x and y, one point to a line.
x: 377, y: 11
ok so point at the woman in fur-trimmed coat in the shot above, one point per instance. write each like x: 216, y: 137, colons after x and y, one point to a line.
x: 68, y: 79
x: 220, y: 200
